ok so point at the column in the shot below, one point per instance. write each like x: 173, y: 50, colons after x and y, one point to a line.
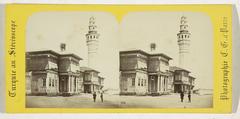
x: 76, y: 84
x: 72, y: 85
x: 158, y: 82
x: 162, y: 83
x: 166, y: 83
x: 149, y: 83
x: 69, y: 84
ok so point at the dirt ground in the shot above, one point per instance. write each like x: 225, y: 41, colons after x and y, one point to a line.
x: 116, y: 101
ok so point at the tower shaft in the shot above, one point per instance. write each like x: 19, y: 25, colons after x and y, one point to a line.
x: 183, y: 43
x: 92, y: 43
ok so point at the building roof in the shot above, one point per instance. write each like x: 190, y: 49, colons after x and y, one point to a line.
x: 162, y: 55
x: 43, y: 52
x: 192, y: 77
x: 71, y: 55
x: 145, y: 53
x: 134, y: 51
x: 101, y: 77
x: 174, y: 68
x: 54, y: 53
x: 87, y: 69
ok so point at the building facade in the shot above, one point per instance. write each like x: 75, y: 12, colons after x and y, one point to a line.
x: 92, y: 81
x: 43, y: 66
x: 69, y: 74
x: 182, y: 80
x: 52, y: 73
x: 158, y: 72
x: 142, y: 73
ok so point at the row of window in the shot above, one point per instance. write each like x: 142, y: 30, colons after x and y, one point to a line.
x: 92, y: 36
x: 183, y: 36
x: 141, y: 82
x: 52, y: 82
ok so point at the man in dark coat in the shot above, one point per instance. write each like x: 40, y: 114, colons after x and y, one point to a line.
x: 94, y: 96
x: 189, y: 96
x: 101, y: 96
x: 181, y: 96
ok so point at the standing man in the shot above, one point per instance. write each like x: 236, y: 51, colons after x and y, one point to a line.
x: 94, y: 96
x: 189, y: 96
x: 101, y: 96
x: 181, y: 96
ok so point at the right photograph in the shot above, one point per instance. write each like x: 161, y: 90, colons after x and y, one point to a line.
x: 166, y: 60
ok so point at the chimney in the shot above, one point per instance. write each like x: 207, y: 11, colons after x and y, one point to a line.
x: 152, y: 47
x: 62, y: 47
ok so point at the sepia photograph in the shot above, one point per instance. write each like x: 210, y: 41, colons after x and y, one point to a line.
x: 148, y: 59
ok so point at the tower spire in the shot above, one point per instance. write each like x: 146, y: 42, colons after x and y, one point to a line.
x: 183, y: 42
x: 92, y: 26
x: 92, y: 42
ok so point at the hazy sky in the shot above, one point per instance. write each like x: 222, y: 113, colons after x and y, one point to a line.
x: 46, y: 30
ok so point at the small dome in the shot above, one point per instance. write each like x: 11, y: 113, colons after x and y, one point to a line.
x: 92, y: 18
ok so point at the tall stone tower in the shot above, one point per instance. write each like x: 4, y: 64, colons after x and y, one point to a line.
x: 92, y: 43
x: 183, y: 43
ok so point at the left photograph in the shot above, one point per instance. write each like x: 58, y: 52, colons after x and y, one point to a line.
x: 65, y: 55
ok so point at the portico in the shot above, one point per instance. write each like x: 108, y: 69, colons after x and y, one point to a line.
x: 68, y: 84
x: 157, y: 84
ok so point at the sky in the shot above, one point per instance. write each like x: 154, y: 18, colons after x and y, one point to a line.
x: 46, y: 30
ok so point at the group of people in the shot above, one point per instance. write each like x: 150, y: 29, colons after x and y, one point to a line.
x: 95, y: 96
x: 182, y: 96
